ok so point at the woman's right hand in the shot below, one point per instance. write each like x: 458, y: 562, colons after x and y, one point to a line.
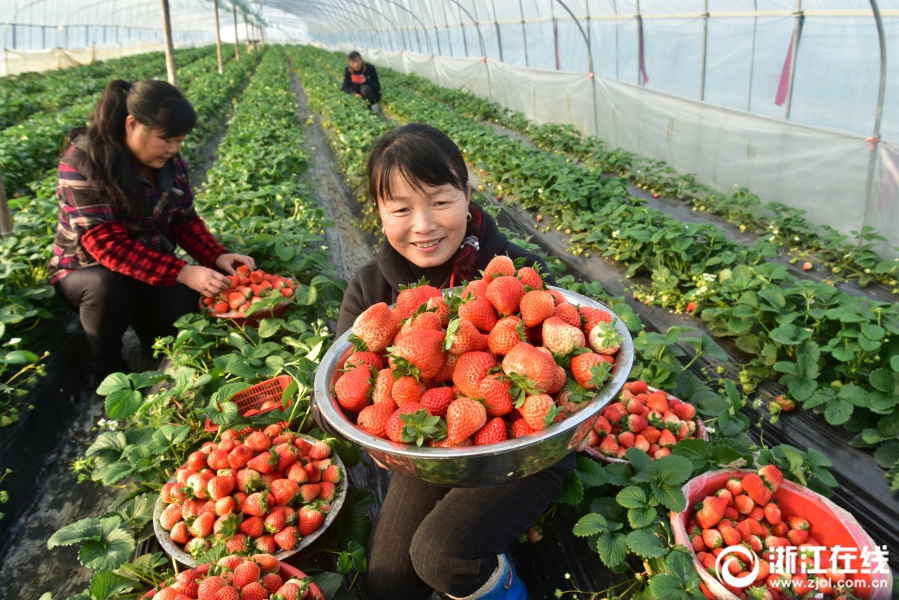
x: 206, y: 281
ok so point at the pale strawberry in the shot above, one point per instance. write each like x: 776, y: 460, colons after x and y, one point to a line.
x: 375, y: 328
x: 560, y: 337
x: 319, y: 450
x: 604, y: 338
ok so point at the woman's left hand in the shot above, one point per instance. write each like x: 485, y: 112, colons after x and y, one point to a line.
x: 229, y: 262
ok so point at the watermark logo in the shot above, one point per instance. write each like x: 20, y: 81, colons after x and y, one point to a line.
x: 731, y: 555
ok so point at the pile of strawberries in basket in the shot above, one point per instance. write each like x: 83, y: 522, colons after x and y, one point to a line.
x: 256, y: 577
x: 649, y: 420
x: 503, y: 359
x: 259, y: 492
x: 743, y: 513
x: 247, y: 288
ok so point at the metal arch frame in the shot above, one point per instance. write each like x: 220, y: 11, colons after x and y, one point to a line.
x: 319, y: 6
x: 875, y: 137
x: 477, y: 27
x: 589, y: 61
x: 423, y: 26
x: 13, y: 16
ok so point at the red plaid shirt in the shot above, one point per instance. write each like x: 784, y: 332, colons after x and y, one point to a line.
x: 91, y: 232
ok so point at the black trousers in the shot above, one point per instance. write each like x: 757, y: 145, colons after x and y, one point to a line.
x: 108, y: 302
x: 368, y: 94
x: 430, y: 538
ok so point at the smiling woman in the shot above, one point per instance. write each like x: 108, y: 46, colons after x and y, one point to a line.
x: 124, y: 204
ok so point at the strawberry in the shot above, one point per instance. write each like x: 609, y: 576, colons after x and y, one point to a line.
x: 476, y: 289
x: 412, y: 297
x: 744, y: 504
x: 711, y: 511
x: 530, y: 278
x: 383, y: 385
x: 313, y: 472
x: 287, y: 538
x: 507, y: 333
x: 287, y: 456
x: 724, y: 493
x: 772, y: 514
x: 536, y: 307
x: 202, y: 525
x: 265, y: 543
x: 730, y: 535
x: 258, y: 442
x: 712, y: 538
x: 560, y: 337
x: 356, y: 359
x: 395, y: 425
x: 208, y: 587
x: 798, y: 523
x: 373, y: 418
x: 421, y: 320
x: 256, y: 505
x: 495, y: 390
x: 772, y: 477
x: 538, y: 411
x: 602, y: 426
x: 497, y: 267
x: 221, y: 486
x: 594, y: 316
x: 627, y: 440
x: 436, y: 400
x: 276, y: 521
x: 375, y: 328
x: 463, y: 418
x: 735, y: 486
x: 289, y: 591
x: 328, y: 490
x: 225, y: 526
x: 170, y: 516
x: 590, y: 370
x: 272, y: 582
x: 218, y: 459
x: 697, y: 543
x: 310, y: 519
x: 264, y: 462
x: 666, y: 439
x: 604, y: 338
x: 310, y: 492
x: 471, y: 369
x: 636, y: 423
x: 609, y: 446
x: 491, y: 433
x: 419, y: 353
x: 439, y: 307
x: 180, y: 534
x: 684, y: 411
x: 505, y: 294
x: 239, y: 457
x: 248, y: 480
x: 332, y: 474
x: 462, y: 336
x: 407, y: 389
x: 246, y: 573
x: 284, y: 491
x: 480, y: 312
x: 797, y: 536
x: 319, y: 450
x: 657, y: 401
x: 225, y: 505
x: 528, y: 362
x: 569, y: 314
x: 756, y: 489
x: 353, y: 389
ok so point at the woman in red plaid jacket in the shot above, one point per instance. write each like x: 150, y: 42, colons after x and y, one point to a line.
x: 124, y: 204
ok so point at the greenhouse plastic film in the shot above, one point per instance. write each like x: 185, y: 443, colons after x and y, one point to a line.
x: 818, y: 170
x: 22, y: 61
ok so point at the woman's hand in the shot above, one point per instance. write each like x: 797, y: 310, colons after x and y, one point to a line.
x: 358, y: 95
x: 229, y: 262
x: 208, y: 282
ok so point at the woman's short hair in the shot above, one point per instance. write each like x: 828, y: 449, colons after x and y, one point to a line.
x: 353, y: 55
x: 422, y: 155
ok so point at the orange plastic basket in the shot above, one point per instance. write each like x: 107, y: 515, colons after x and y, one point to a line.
x: 254, y: 397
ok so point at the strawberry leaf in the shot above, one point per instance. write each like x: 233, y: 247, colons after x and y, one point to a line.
x: 590, y: 524
x: 646, y: 544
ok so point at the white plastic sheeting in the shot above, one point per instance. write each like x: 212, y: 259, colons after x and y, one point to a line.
x: 819, y: 170
x: 15, y: 61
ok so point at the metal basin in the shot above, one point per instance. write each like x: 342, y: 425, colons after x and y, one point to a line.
x: 474, y: 466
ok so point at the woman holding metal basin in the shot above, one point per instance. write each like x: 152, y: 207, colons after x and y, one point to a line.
x: 426, y: 537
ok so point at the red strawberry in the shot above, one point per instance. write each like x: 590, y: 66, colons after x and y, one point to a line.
x: 276, y: 521
x: 310, y: 492
x: 593, y: 317
x: 208, y: 587
x: 476, y: 289
x: 712, y: 538
x: 196, y: 461
x: 218, y: 459
x: 255, y: 505
x: 258, y: 442
x: 328, y: 489
x: 383, y: 385
x: 407, y: 389
x: 420, y: 353
x: 221, y: 486
x: 797, y: 536
x: 491, y: 433
x: 497, y: 267
x: 471, y: 369
x: 180, y: 534
x: 319, y: 450
x: 462, y: 336
x: 604, y: 338
x: 772, y: 514
x: 264, y: 462
x: 313, y: 472
x: 627, y: 440
x: 170, y: 516
x: 202, y: 525
x: 495, y: 390
x: 520, y: 428
x: 590, y: 370
x: 636, y: 423
x: 287, y: 538
x: 530, y: 277
x: 711, y: 512
x: 375, y: 328
x: 560, y: 337
x: 332, y: 474
x: 463, y: 418
x: 353, y: 389
x: 395, y: 424
x: 284, y: 491
x: 436, y: 400
x: 569, y: 314
x: 724, y: 493
x: 685, y: 411
x: 735, y: 486
x: 357, y: 358
x: 373, y: 418
x: 798, y: 523
x: 530, y: 363
x: 412, y: 297
x: 424, y: 320
x: 609, y: 446
x: 225, y: 505
x: 439, y: 307
x: 480, y: 312
x: 266, y: 543
x: 272, y: 582
x: 310, y: 519
x: 536, y: 307
x: 730, y: 535
x: 239, y: 457
x: 287, y: 456
x: 254, y: 591
x: 602, y: 426
x: 667, y: 440
x: 505, y: 294
x: 744, y: 504
x: 507, y: 333
x: 772, y: 477
x: 756, y: 489
x: 289, y: 591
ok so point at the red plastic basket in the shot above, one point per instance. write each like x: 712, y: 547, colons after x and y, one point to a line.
x: 254, y: 397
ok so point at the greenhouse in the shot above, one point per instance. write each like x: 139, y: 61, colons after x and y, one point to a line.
x: 402, y: 299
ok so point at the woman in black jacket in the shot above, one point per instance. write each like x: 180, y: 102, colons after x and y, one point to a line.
x: 427, y: 537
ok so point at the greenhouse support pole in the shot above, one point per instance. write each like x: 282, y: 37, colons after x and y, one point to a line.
x: 462, y: 27
x: 499, y: 37
x: 639, y: 43
x: 246, y: 27
x: 794, y: 50
x: 218, y: 38
x: 5, y: 217
x: 705, y: 45
x: 552, y: 13
x: 449, y: 38
x: 755, y: 23
x: 236, y: 36
x: 875, y: 138
x: 589, y: 64
x: 524, y: 34
x: 170, y: 67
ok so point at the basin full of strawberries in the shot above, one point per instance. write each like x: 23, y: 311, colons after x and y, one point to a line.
x: 477, y: 385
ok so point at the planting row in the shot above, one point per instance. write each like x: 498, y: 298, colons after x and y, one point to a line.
x: 159, y: 421
x: 849, y: 259
x: 624, y: 505
x: 24, y: 293
x: 835, y: 353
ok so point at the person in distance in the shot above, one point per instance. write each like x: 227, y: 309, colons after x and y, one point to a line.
x: 125, y: 203
x: 361, y: 79
x: 425, y: 537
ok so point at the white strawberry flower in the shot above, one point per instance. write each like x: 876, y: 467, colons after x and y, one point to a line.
x: 13, y: 341
x: 615, y: 233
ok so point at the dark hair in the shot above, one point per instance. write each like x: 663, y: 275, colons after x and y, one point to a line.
x: 353, y: 55
x: 424, y: 156
x: 155, y: 104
